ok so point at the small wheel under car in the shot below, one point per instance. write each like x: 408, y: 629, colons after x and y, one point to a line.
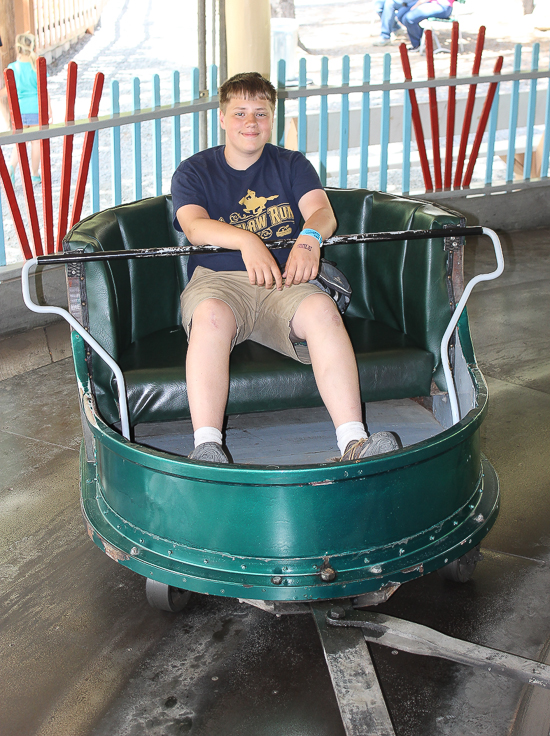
x: 166, y: 597
x: 461, y: 569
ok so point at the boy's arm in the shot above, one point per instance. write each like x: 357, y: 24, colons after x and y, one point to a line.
x: 303, y: 262
x: 262, y: 268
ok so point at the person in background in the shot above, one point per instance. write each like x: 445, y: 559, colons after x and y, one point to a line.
x: 387, y: 10
x: 24, y: 69
x: 412, y: 12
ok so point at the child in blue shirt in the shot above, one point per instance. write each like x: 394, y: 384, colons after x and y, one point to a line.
x: 24, y: 69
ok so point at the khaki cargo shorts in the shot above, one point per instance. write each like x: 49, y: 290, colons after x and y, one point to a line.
x: 262, y: 315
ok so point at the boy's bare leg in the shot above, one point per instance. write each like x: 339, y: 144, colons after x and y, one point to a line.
x: 207, y: 366
x: 335, y: 370
x: 318, y: 321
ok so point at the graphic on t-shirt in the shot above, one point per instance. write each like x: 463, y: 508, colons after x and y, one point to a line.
x: 253, y: 204
x: 283, y: 231
x: 258, y: 218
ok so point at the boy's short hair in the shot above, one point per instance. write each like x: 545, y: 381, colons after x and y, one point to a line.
x: 250, y: 86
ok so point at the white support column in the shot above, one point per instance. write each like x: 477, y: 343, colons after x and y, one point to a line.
x: 248, y: 36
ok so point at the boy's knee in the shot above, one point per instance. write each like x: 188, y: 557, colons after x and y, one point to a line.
x: 317, y: 312
x: 214, y: 315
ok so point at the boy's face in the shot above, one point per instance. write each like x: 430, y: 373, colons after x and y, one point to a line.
x: 247, y: 124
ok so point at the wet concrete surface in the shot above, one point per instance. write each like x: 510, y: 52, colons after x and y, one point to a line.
x: 82, y: 653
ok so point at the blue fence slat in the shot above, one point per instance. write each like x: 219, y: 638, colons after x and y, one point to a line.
x: 385, y: 126
x: 281, y: 82
x: 531, y: 106
x: 546, y: 144
x: 94, y: 174
x: 344, y: 127
x: 176, y: 122
x: 407, y: 130
x: 157, y: 140
x: 302, y: 108
x: 323, y: 124
x: 365, y: 127
x: 514, y: 106
x: 492, y: 134
x: 213, y: 89
x: 195, y: 94
x: 115, y: 146
x: 136, y: 140
x: 2, y: 239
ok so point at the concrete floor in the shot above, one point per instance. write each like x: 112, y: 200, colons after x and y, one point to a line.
x: 82, y: 653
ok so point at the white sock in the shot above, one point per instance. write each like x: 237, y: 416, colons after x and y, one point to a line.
x: 349, y: 432
x: 207, y: 434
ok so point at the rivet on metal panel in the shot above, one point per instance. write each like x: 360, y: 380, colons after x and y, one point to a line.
x: 277, y: 580
x: 328, y: 574
x: 134, y: 551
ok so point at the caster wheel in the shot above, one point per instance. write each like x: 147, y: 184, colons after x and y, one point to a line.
x: 461, y: 570
x: 165, y: 597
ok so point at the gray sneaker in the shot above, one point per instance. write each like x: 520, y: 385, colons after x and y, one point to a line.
x: 382, y: 41
x: 376, y: 444
x: 209, y: 452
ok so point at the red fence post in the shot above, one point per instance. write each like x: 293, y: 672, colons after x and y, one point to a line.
x: 469, y: 110
x: 66, y: 166
x: 417, y: 123
x: 482, y: 124
x: 86, y: 152
x: 17, y: 125
x: 45, y: 160
x: 451, y: 109
x: 434, y: 117
x: 14, y: 208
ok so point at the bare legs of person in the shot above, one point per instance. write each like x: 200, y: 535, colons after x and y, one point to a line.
x: 317, y: 321
x: 35, y: 160
x: 207, y: 370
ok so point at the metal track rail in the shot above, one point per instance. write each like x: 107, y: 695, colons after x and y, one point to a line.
x: 344, y: 633
x: 417, y: 639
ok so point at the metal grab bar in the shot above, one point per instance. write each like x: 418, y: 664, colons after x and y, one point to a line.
x: 182, y: 250
x: 92, y: 342
x: 455, y: 411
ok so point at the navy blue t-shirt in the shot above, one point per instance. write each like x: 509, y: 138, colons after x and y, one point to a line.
x: 263, y: 198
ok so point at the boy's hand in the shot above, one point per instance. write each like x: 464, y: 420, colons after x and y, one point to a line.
x: 303, y: 262
x: 262, y: 268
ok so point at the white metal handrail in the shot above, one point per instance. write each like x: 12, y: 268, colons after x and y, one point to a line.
x: 92, y: 342
x: 455, y: 410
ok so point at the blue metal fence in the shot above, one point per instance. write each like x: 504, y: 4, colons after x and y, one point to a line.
x: 368, y: 136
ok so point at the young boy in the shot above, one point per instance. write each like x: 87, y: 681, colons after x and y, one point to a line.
x: 236, y: 196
